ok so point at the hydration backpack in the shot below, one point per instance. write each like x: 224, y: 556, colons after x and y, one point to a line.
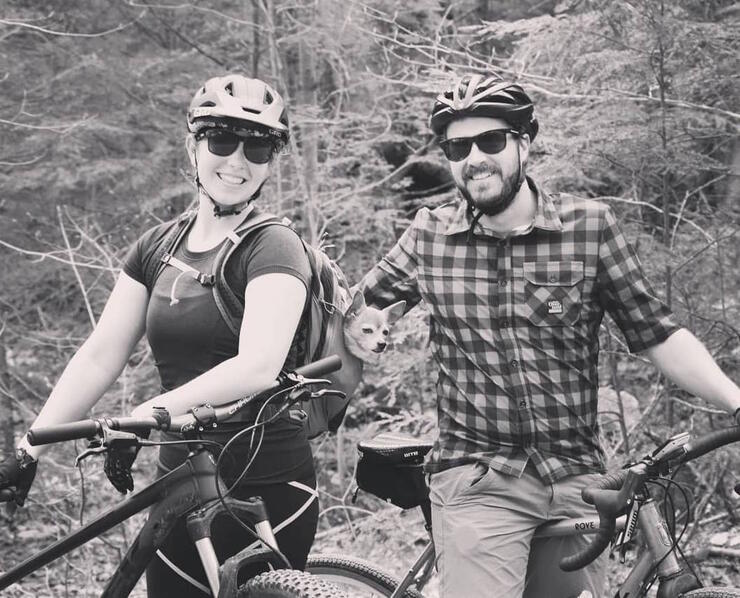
x: 324, y: 316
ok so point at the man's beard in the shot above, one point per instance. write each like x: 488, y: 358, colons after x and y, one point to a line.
x: 493, y: 204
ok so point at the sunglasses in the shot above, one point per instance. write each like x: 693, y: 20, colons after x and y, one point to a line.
x: 257, y: 150
x: 489, y: 142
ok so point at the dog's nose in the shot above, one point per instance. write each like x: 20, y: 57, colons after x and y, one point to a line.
x: 382, y: 345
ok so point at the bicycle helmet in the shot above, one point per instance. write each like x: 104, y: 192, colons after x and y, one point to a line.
x: 484, y: 95
x: 239, y: 102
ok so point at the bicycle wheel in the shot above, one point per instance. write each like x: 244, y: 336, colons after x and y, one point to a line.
x: 358, y: 578
x: 288, y: 583
x: 713, y: 593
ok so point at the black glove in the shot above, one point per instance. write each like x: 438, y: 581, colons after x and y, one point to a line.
x: 17, y: 471
x: 118, y: 462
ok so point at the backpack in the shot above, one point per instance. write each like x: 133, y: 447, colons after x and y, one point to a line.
x: 324, y: 316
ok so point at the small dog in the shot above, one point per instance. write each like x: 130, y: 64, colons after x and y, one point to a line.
x: 367, y: 329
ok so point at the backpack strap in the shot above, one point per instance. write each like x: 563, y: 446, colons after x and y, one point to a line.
x: 322, y: 290
x: 164, y: 251
x: 231, y: 306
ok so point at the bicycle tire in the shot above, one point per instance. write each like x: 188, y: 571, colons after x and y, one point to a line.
x: 288, y: 583
x: 713, y: 593
x: 355, y: 576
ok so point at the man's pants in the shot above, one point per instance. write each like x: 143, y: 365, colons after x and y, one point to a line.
x: 483, y: 523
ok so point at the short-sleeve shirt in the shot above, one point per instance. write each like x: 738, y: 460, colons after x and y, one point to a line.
x: 514, y: 328
x: 188, y: 336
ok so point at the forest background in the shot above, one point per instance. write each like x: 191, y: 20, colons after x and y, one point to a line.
x: 638, y: 105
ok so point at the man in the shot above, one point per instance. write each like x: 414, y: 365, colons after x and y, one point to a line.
x: 517, y: 282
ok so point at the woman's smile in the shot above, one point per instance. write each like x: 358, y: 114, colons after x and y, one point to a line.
x: 231, y: 179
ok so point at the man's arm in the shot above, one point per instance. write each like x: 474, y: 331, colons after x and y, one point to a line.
x: 394, y: 278
x: 688, y: 364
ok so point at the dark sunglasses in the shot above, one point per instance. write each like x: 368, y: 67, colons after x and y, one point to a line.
x: 489, y: 142
x: 257, y: 150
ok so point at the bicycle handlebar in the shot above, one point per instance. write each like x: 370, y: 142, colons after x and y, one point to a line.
x: 607, y: 510
x: 90, y: 427
x: 611, y: 495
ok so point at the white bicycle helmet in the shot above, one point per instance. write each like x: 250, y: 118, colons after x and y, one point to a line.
x: 239, y: 102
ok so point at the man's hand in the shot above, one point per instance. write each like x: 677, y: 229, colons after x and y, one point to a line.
x: 17, y: 471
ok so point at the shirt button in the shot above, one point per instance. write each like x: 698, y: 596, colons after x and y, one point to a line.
x: 514, y: 363
x: 553, y: 279
x: 503, y: 323
x: 522, y: 403
x: 502, y: 283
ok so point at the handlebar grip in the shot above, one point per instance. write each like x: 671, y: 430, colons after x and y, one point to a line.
x: 70, y: 431
x: 594, y: 548
x: 319, y: 368
x: 607, y: 482
x: 714, y: 440
x: 607, y: 522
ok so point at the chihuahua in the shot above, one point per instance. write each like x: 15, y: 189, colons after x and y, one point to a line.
x: 367, y: 329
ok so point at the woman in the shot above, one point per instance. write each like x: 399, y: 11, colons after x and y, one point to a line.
x: 237, y: 127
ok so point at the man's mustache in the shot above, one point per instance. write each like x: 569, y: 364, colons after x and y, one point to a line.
x: 470, y: 171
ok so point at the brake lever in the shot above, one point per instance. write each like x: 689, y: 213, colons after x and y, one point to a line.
x: 291, y: 378
x: 95, y: 447
x: 328, y: 392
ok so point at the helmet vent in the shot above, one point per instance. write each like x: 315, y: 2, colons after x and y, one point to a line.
x: 208, y: 104
x: 268, y: 97
x: 229, y: 88
x: 250, y: 110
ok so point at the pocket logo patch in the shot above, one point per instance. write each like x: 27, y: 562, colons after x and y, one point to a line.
x: 554, y: 307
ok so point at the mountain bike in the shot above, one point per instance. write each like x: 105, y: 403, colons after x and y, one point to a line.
x: 193, y: 490
x: 390, y: 466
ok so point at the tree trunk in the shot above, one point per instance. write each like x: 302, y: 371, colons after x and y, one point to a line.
x: 6, y: 404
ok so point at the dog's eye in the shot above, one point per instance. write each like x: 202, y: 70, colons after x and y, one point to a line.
x: 367, y: 330
x: 385, y: 332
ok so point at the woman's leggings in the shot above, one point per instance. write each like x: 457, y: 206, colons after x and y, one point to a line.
x: 293, y: 509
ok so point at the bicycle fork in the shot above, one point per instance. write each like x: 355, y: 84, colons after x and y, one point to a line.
x: 199, y: 524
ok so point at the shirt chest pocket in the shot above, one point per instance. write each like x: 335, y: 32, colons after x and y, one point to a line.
x: 552, y: 292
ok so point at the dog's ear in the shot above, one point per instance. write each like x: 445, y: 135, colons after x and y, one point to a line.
x: 357, y: 305
x: 395, y: 311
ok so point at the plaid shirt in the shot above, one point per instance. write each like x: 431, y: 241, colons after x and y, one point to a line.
x: 515, y: 329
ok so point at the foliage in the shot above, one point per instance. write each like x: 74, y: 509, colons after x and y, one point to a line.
x: 638, y: 106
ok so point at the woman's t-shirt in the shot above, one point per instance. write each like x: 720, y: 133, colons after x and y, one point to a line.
x: 188, y: 337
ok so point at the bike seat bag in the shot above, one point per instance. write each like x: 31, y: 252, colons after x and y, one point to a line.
x: 390, y: 466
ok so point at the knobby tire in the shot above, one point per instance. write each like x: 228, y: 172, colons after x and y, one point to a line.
x: 713, y: 593
x: 288, y: 583
x: 357, y: 577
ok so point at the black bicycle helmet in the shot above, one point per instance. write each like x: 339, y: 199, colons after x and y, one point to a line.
x: 485, y: 95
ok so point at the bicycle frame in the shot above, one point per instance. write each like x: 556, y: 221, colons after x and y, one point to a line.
x: 190, y: 489
x: 659, y: 549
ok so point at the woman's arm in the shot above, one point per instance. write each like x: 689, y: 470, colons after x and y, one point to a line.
x: 687, y: 363
x: 100, y: 359
x: 273, y: 305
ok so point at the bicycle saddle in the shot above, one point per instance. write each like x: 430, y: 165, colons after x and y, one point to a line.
x: 395, y: 448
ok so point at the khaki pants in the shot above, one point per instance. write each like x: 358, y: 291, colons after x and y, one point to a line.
x: 483, y: 523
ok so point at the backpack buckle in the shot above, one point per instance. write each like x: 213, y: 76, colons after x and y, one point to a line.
x: 207, y: 280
